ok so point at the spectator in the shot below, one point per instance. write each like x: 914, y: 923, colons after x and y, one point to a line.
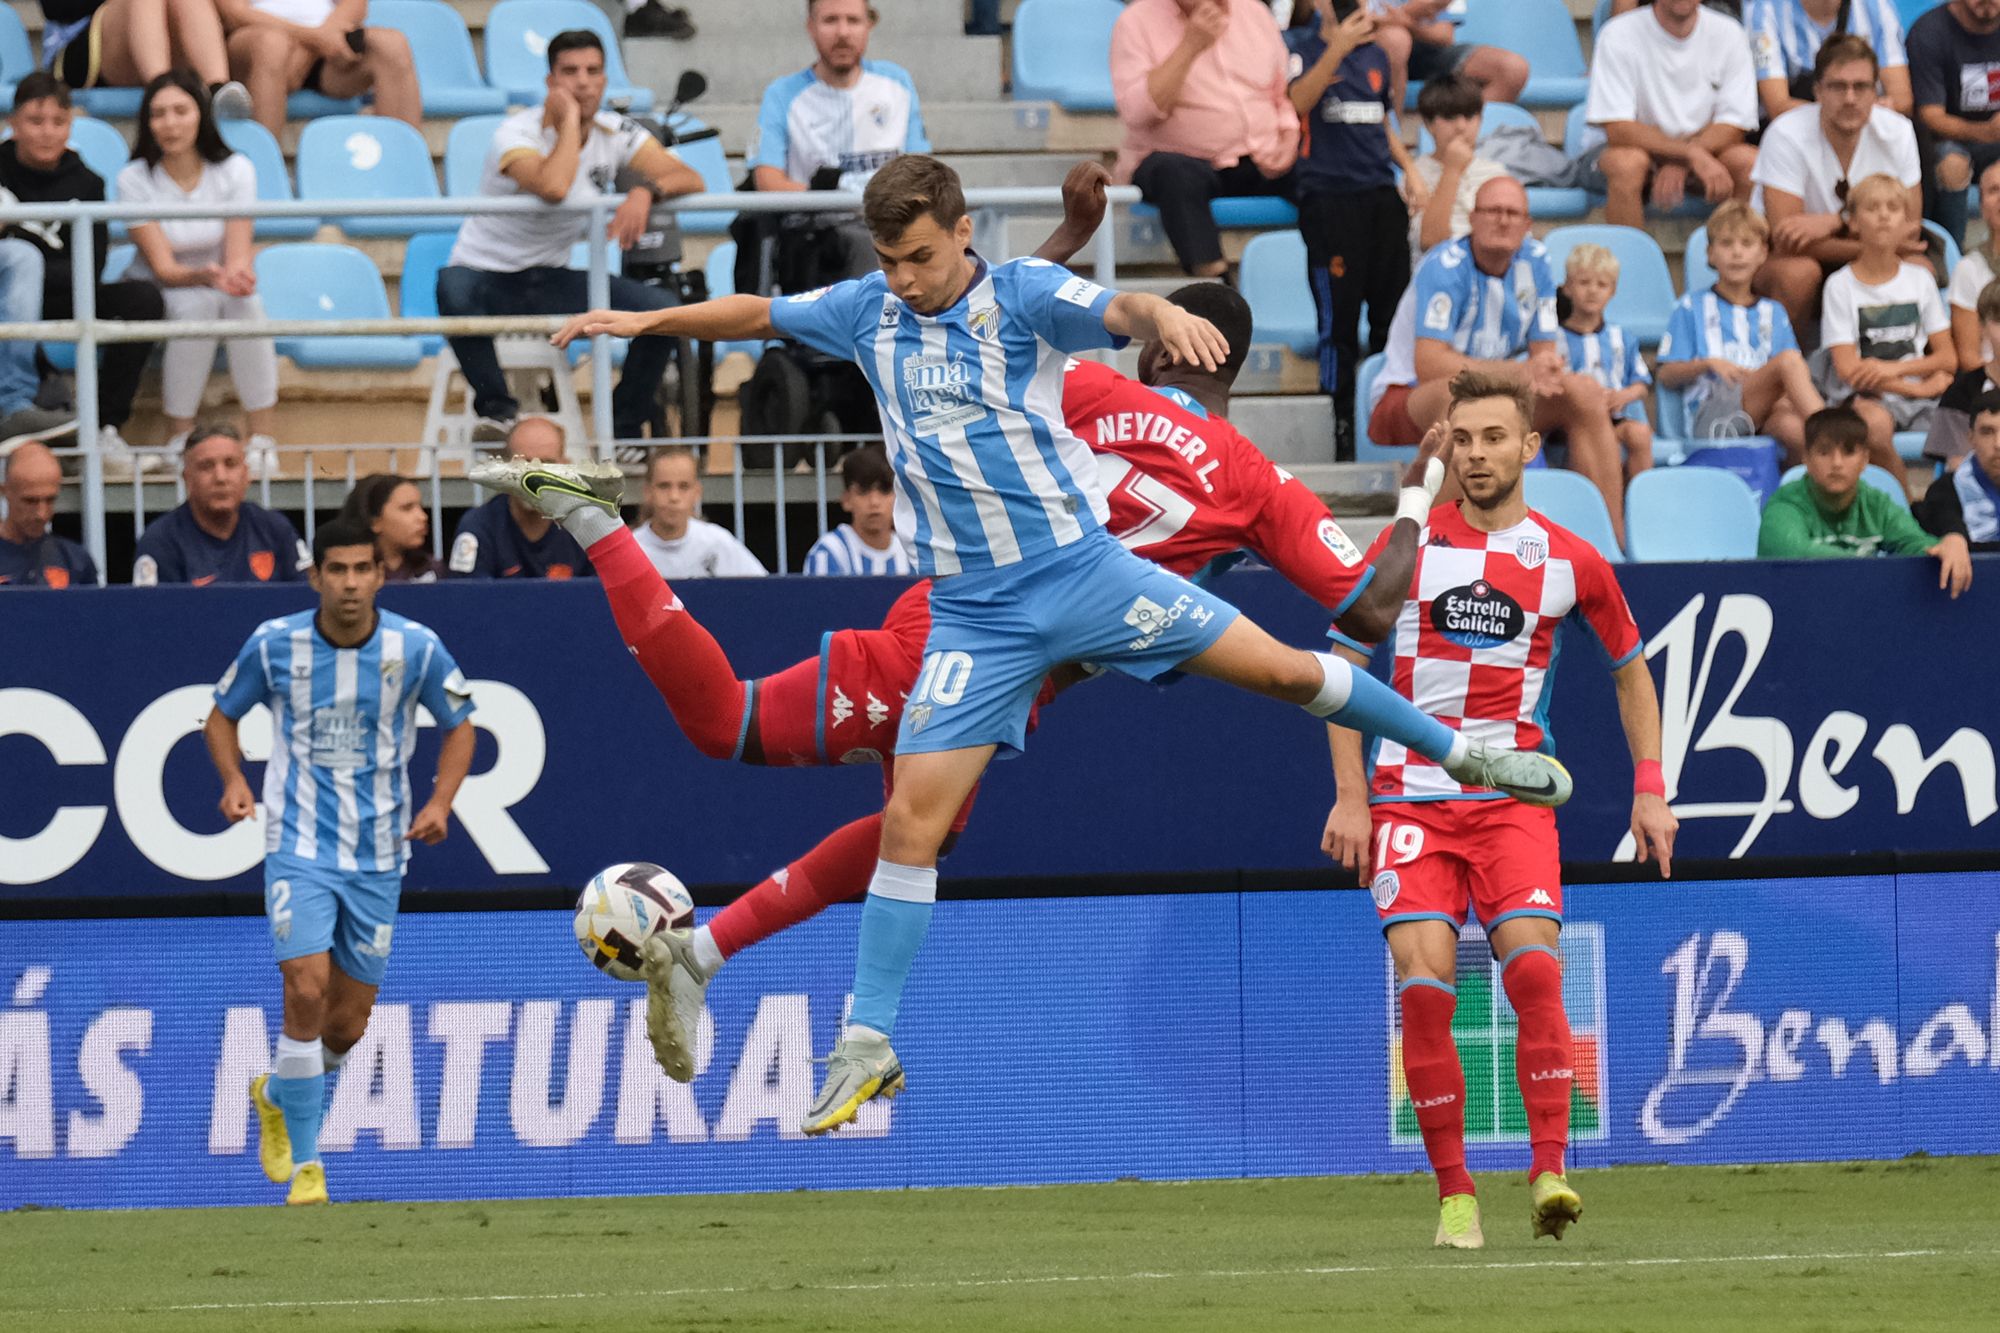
x: 1951, y: 425
x: 506, y: 539
x: 650, y: 18
x: 203, y: 265
x: 32, y: 555
x: 1353, y: 217
x: 831, y: 126
x: 1453, y: 170
x: 218, y: 536
x: 1954, y: 52
x: 1489, y: 304
x: 1964, y: 503
x: 1733, y: 352
x: 277, y: 47
x: 21, y: 303
x: 1671, y: 87
x: 1969, y: 279
x: 1804, y: 163
x: 674, y: 537
x: 38, y: 166
x: 566, y: 150
x: 1831, y: 513
x: 129, y: 43
x: 1786, y: 37
x: 392, y: 508
x: 1606, y: 353
x: 1420, y: 39
x: 1201, y: 90
x: 1884, y: 336
x: 866, y: 543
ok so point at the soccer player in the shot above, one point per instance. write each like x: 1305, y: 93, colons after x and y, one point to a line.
x: 343, y: 684
x: 966, y: 361
x: 1476, y: 645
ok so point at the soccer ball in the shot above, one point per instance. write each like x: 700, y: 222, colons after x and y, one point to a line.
x: 622, y: 907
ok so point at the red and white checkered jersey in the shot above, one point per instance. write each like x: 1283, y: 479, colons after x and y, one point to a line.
x: 1477, y: 641
x: 1185, y: 488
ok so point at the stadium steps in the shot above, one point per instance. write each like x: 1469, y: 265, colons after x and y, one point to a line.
x: 1292, y: 429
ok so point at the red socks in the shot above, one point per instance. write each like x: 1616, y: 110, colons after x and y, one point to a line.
x: 1543, y: 1055
x: 683, y: 660
x: 1436, y: 1082
x: 833, y: 872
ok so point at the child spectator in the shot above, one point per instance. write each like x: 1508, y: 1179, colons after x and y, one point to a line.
x: 1966, y: 502
x: 1453, y: 170
x: 1606, y: 352
x: 1885, y: 338
x: 1351, y: 214
x: 1951, y: 425
x: 1733, y: 351
x: 866, y: 543
x: 1831, y: 512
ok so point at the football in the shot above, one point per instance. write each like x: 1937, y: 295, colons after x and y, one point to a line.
x: 621, y: 907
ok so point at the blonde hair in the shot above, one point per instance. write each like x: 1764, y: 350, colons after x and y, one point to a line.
x: 1736, y: 218
x: 1873, y: 189
x: 1592, y: 259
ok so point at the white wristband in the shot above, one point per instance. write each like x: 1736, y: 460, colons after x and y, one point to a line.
x: 1413, y: 503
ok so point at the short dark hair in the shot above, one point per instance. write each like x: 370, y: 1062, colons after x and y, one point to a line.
x: 912, y: 186
x: 686, y: 451
x: 1987, y: 404
x: 208, y: 141
x: 34, y: 87
x: 1471, y: 386
x: 1836, y: 428
x: 1219, y: 304
x: 1450, y: 97
x: 204, y: 431
x: 342, y: 532
x: 867, y: 469
x: 811, y: 5
x: 573, y: 39
x: 1840, y: 49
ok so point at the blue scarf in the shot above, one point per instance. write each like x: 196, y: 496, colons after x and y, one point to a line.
x: 1979, y: 497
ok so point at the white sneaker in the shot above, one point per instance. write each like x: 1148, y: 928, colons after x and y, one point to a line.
x: 121, y: 461
x: 231, y: 102
x: 262, y: 456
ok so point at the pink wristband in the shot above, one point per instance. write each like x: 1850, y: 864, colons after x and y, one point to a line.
x: 1647, y: 780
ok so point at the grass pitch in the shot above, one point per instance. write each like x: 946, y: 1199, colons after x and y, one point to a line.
x: 1847, y: 1246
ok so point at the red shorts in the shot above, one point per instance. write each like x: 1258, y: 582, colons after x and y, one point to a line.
x: 1435, y: 859
x: 1391, y: 423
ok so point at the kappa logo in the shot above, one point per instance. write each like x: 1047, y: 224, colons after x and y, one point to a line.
x: 1384, y: 888
x: 782, y: 878
x: 1532, y: 552
x: 1540, y: 898
x: 843, y: 707
x: 878, y: 712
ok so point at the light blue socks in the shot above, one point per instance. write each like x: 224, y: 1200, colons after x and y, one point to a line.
x: 894, y: 920
x: 1358, y: 701
x: 298, y: 1086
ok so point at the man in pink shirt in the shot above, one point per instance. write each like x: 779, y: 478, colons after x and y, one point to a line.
x: 1201, y: 91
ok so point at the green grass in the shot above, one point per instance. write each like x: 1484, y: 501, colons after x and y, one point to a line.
x: 1853, y: 1246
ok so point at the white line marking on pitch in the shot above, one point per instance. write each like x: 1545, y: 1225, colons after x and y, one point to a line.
x: 1052, y: 1279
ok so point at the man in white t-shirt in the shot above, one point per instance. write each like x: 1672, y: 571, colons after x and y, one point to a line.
x: 564, y: 151
x: 277, y: 47
x: 1672, y: 89
x: 866, y: 543
x: 1805, y: 162
x: 680, y: 544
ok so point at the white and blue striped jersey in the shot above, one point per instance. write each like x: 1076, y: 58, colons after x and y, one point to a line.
x: 1480, y: 315
x: 1612, y: 359
x: 1785, y: 40
x: 343, y: 726
x: 1705, y: 325
x: 842, y: 551
x: 987, y: 474
x: 804, y: 124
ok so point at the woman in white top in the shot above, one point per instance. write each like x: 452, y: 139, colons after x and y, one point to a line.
x: 1971, y: 276
x: 203, y: 265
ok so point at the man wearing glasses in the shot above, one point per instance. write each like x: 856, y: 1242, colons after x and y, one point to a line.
x: 1808, y: 156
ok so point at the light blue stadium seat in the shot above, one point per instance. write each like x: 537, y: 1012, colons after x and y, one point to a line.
x: 110, y: 103
x: 1872, y: 475
x: 1569, y: 498
x: 1951, y: 253
x: 102, y: 148
x: 1062, y: 53
x: 1645, y: 296
x: 517, y: 45
x: 1542, y: 31
x: 1365, y: 449
x: 116, y: 260
x: 1273, y: 281
x: 1909, y: 11
x: 1555, y: 204
x: 308, y: 105
x: 416, y: 296
x: 465, y: 155
x: 1690, y: 513
x: 1695, y: 272
x: 1669, y: 413
x: 447, y: 72
x: 712, y: 164
x: 17, y: 58
x: 303, y: 280
x: 369, y: 157
x: 1267, y: 211
x: 721, y: 274
x: 274, y: 182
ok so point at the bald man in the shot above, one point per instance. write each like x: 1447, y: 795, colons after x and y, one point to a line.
x: 506, y: 539
x: 31, y: 554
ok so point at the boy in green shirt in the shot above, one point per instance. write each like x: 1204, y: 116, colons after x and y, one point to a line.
x: 1831, y: 512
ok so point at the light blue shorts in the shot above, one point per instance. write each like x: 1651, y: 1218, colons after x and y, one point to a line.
x: 996, y: 633
x: 318, y: 909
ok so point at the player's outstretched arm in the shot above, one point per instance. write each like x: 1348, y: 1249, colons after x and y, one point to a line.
x: 1189, y: 339
x: 1346, y: 836
x: 219, y: 732
x: 1083, y: 212
x: 1374, y: 613
x: 1653, y: 823
x: 454, y: 762
x: 725, y: 319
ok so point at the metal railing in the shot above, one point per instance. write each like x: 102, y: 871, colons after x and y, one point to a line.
x: 89, y: 333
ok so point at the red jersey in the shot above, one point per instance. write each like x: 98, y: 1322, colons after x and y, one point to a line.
x: 1476, y: 643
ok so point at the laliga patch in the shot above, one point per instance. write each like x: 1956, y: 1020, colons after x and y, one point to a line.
x: 464, y: 554
x: 1437, y: 315
x: 1079, y: 291
x: 1477, y: 615
x: 1338, y: 542
x: 1384, y: 888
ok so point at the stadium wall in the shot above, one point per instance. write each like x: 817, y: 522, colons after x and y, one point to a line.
x: 1156, y: 1036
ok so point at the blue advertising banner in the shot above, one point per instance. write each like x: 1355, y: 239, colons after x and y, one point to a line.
x: 1809, y: 709
x: 1725, y: 1021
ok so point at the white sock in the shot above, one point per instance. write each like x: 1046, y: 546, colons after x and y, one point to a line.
x: 1335, y: 688
x: 706, y: 956
x: 909, y: 884
x: 590, y: 524
x: 298, y: 1059
x: 1460, y: 747
x: 864, y: 1032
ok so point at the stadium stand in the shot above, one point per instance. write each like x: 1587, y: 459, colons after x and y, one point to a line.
x: 1273, y: 282
x: 1062, y: 53
x: 1645, y: 295
x: 1570, y: 499
x: 447, y: 70
x: 274, y: 179
x: 16, y: 56
x: 310, y: 280
x: 369, y: 157
x: 1690, y: 513
x: 465, y: 154
x: 1542, y: 31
